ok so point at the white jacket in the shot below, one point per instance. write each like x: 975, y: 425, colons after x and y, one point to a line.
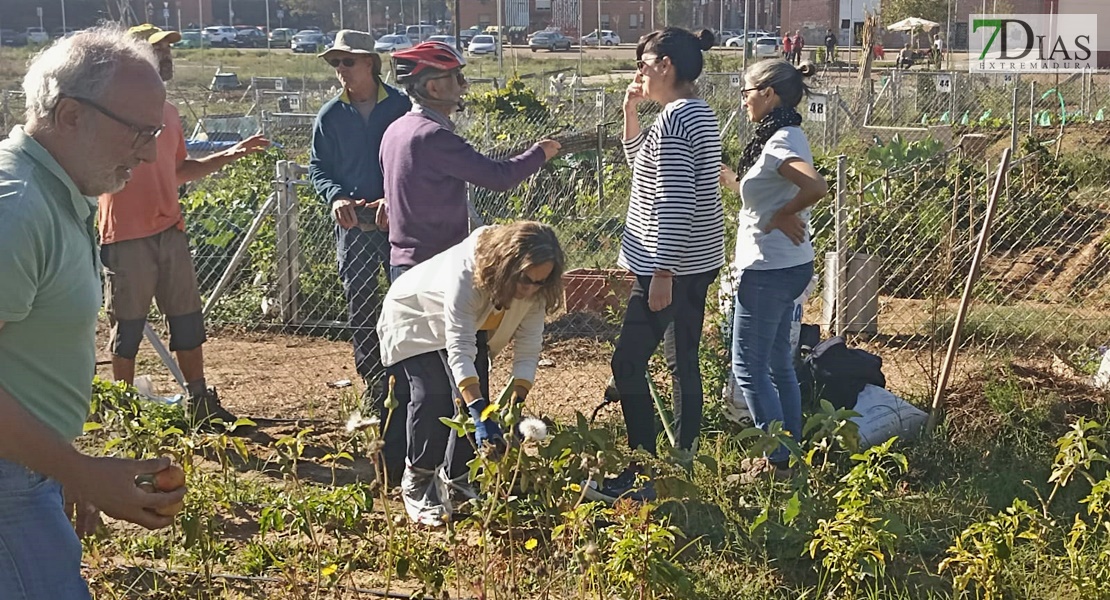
x: 435, y: 306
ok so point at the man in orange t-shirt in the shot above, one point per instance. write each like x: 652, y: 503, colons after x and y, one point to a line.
x: 146, y: 254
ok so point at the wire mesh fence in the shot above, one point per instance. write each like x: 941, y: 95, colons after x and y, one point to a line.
x: 894, y: 246
x: 909, y: 205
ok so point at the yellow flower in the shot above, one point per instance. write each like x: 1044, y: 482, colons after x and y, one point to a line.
x: 531, y: 544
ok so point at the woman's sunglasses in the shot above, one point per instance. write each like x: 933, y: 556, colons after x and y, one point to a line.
x: 346, y: 62
x: 526, y: 280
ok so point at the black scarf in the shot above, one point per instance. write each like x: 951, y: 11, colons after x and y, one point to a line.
x: 783, y: 116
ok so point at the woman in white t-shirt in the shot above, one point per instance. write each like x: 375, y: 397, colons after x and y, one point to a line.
x: 774, y: 252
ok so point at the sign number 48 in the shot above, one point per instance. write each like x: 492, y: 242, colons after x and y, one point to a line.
x: 818, y: 108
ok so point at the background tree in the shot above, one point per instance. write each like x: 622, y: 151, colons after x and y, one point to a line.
x: 896, y: 10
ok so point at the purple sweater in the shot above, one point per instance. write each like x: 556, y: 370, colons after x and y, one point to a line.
x: 426, y: 168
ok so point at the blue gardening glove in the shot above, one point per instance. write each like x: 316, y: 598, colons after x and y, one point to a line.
x: 486, y: 431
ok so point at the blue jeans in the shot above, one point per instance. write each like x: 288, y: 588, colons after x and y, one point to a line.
x: 762, y: 358
x: 40, y: 555
x: 362, y: 254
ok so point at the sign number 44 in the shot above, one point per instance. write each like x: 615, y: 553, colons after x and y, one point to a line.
x: 944, y: 84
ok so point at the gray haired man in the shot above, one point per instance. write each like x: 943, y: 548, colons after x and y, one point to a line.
x: 94, y: 109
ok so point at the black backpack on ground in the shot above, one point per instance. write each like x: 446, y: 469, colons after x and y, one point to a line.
x: 838, y: 373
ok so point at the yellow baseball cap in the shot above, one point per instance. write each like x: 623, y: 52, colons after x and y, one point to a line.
x: 154, y: 34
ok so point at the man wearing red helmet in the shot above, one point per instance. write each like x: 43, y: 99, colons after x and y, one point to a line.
x: 426, y: 167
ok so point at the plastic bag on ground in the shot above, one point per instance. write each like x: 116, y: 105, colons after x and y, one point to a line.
x: 884, y: 415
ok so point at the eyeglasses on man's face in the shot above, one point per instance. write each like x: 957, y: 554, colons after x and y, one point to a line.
x: 456, y: 73
x: 144, y: 134
x: 346, y: 62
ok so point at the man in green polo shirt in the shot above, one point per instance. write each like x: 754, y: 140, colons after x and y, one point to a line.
x: 94, y: 108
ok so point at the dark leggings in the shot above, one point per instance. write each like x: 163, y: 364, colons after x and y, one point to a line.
x: 678, y: 326
x: 434, y: 392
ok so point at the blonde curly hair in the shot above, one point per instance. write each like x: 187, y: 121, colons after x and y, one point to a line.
x: 504, y: 252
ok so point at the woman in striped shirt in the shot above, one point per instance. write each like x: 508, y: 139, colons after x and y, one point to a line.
x: 673, y: 242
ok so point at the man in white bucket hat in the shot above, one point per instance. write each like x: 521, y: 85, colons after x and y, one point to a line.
x: 345, y: 171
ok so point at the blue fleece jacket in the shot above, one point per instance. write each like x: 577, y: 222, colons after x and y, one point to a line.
x: 344, y: 159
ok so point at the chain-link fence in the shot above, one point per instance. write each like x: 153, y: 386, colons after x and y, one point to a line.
x: 909, y: 204
x: 894, y: 243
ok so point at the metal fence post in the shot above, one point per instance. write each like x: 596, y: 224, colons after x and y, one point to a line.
x: 281, y: 243
x: 1013, y: 121
x: 1032, y: 103
x: 285, y: 229
x: 600, y: 164
x: 840, y: 306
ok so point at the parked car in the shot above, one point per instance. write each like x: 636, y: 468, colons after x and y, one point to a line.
x: 548, y: 40
x: 419, y: 33
x: 767, y: 47
x: 192, y: 38
x: 250, y: 37
x: 483, y: 44
x: 309, y: 42
x: 468, y: 34
x: 220, y: 35
x: 282, y: 37
x: 446, y: 39
x: 37, y: 35
x: 394, y: 41
x: 608, y: 38
x: 737, y: 41
x: 726, y: 35
x: 11, y: 37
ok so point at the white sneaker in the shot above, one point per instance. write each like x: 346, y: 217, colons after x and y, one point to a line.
x: 733, y: 406
x: 454, y: 492
x: 420, y: 491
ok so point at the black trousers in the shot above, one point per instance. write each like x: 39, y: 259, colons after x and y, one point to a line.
x: 679, y: 327
x: 435, y: 394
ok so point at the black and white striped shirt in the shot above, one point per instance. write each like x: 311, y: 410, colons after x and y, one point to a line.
x: 675, y: 220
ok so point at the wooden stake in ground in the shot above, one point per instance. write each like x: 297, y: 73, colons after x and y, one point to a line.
x: 965, y: 300
x: 867, y: 44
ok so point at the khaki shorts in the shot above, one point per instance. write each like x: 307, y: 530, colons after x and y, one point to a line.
x: 157, y: 267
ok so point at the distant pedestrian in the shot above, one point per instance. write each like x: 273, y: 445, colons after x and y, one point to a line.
x: 787, y: 47
x: 830, y: 46
x: 938, y: 50
x: 798, y: 44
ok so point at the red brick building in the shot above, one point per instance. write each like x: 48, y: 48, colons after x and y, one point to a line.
x: 815, y: 17
x: 630, y: 19
x: 193, y: 12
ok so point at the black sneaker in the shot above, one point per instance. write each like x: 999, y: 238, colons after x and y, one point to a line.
x: 629, y: 485
x: 205, y: 410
